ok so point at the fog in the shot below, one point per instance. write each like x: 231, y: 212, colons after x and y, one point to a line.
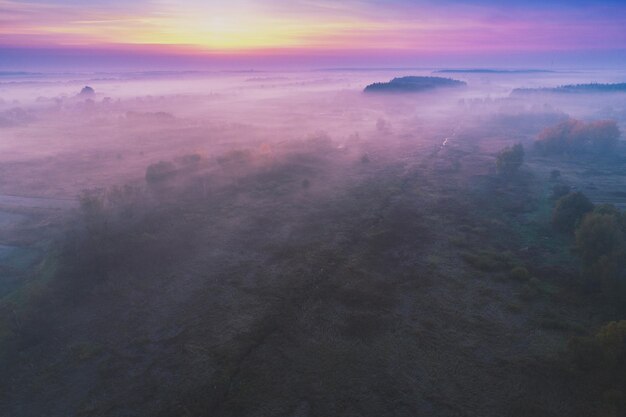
x: 260, y: 243
x: 57, y: 142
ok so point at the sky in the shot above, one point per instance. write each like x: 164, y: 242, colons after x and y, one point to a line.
x: 249, y: 34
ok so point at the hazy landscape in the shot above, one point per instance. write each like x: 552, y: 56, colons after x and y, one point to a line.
x: 312, y: 208
x: 283, y: 244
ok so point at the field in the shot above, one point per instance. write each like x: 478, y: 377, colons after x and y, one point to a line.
x: 383, y: 269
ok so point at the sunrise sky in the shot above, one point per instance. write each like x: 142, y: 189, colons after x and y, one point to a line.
x: 194, y: 34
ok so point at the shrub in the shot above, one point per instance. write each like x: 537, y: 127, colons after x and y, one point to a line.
x: 235, y: 157
x: 601, y: 244
x: 91, y: 203
x: 555, y: 174
x: 560, y: 190
x: 490, y: 261
x: 603, y: 358
x: 569, y: 211
x: 191, y: 159
x: 160, y: 171
x: 510, y: 159
x: 519, y: 273
x: 575, y: 137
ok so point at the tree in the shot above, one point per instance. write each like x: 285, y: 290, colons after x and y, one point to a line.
x: 555, y: 174
x: 510, y: 159
x: 602, y: 357
x: 577, y: 137
x: 87, y: 91
x: 603, y: 136
x: 601, y: 243
x: 160, y: 171
x: 560, y: 190
x: 569, y: 211
x: 92, y: 206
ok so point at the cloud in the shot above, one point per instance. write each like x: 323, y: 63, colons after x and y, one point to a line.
x: 296, y: 27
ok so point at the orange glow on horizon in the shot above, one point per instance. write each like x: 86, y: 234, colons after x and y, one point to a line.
x: 245, y: 26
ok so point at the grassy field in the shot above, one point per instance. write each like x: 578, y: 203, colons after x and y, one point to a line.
x: 322, y: 284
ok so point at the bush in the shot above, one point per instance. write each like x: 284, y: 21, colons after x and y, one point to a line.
x: 191, y: 159
x: 91, y: 204
x: 576, y: 137
x: 555, y: 174
x: 560, y: 190
x: 601, y: 244
x: 510, y: 159
x: 519, y: 273
x: 569, y: 211
x: 490, y: 261
x: 160, y: 171
x: 236, y: 157
x: 603, y: 358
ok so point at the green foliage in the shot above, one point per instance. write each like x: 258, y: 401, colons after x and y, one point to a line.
x: 519, y: 273
x: 510, y: 159
x: 99, y: 206
x: 490, y: 261
x: 160, y: 171
x: 601, y: 244
x: 234, y: 158
x: 85, y: 351
x: 569, y: 211
x: 91, y: 204
x: 560, y: 190
x: 191, y: 159
x: 555, y: 174
x: 603, y: 358
x: 577, y: 137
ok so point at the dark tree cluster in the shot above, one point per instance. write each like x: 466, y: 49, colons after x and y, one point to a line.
x: 601, y: 243
x: 510, y: 159
x: 160, y: 171
x: 575, y: 88
x: 413, y: 84
x: 600, y: 233
x: 569, y: 211
x: 577, y: 137
x: 603, y: 357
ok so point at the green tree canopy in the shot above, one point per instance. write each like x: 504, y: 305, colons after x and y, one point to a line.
x: 601, y: 242
x: 569, y: 211
x: 510, y: 159
x: 577, y: 137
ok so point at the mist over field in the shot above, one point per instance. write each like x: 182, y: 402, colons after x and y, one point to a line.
x: 290, y: 243
x: 69, y: 142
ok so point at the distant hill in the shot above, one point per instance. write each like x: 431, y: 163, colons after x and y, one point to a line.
x: 17, y: 73
x: 489, y: 71
x: 575, y: 88
x: 413, y: 84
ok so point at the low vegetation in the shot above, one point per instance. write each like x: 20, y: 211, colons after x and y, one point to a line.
x: 601, y: 358
x: 314, y: 278
x: 569, y: 211
x: 601, y: 244
x: 575, y: 137
x: 510, y: 159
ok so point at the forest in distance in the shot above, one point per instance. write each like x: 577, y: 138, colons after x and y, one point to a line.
x: 401, y: 242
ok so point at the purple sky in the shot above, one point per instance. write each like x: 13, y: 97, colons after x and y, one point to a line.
x: 194, y: 34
